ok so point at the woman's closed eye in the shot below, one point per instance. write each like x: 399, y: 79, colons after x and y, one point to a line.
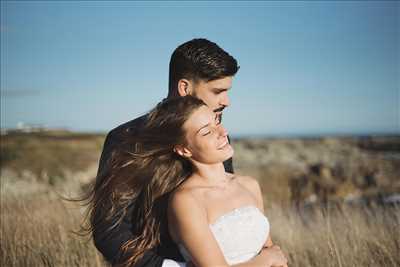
x: 206, y: 133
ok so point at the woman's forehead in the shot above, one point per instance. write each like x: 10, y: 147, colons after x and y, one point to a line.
x: 201, y: 117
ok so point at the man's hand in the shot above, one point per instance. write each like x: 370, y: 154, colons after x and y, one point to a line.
x: 275, y: 256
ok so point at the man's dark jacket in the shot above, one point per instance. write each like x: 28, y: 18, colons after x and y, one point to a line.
x: 109, y: 242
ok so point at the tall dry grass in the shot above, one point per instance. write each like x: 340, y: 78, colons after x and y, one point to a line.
x: 338, y: 236
x: 36, y: 231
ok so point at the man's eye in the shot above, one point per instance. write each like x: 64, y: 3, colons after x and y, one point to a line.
x: 207, y: 133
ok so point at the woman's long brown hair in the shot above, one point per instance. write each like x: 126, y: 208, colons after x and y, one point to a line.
x: 141, y: 174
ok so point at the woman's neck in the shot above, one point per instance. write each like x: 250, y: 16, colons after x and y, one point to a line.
x: 212, y: 174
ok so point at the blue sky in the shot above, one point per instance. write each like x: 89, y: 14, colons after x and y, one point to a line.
x: 306, y: 67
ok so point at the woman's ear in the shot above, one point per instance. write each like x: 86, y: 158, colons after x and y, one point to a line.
x: 184, y: 87
x: 182, y: 151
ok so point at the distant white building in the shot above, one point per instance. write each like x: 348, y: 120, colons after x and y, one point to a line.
x: 3, y: 131
x: 30, y: 128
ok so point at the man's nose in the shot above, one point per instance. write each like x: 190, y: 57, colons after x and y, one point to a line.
x: 225, y: 101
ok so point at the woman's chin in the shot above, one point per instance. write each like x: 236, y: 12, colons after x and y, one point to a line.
x: 228, y: 151
x: 217, y: 156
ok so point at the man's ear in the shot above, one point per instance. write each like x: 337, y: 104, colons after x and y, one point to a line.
x: 182, y: 151
x: 184, y: 87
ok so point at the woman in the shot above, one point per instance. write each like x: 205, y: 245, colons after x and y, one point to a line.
x: 216, y: 217
x: 177, y: 159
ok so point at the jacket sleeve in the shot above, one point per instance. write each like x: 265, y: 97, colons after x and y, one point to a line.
x: 109, y: 242
x: 228, y: 164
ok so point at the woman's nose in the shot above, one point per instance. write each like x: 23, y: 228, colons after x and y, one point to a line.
x: 222, y: 131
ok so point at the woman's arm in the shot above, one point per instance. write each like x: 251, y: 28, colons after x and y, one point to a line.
x: 188, y: 225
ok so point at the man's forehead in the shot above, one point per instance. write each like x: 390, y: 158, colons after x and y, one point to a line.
x: 218, y: 84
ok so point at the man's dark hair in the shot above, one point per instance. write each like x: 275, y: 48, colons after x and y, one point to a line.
x: 199, y: 59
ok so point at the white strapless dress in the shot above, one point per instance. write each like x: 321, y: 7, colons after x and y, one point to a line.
x: 240, y: 234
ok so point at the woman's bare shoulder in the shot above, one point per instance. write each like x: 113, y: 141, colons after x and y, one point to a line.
x: 193, y: 187
x: 181, y: 194
x: 185, y: 195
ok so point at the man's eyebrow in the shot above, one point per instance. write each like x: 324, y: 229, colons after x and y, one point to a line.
x: 208, y: 124
x: 221, y: 89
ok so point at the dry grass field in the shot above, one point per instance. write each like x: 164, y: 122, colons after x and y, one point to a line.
x: 39, y: 232
x: 346, y: 236
x: 37, y: 226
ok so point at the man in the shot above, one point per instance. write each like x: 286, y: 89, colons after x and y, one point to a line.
x: 199, y: 68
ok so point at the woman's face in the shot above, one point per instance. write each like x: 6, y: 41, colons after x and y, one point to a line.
x: 207, y: 140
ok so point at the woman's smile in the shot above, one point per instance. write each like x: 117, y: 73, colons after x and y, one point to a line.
x: 224, y: 144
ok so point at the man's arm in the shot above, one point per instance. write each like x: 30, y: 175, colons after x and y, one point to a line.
x: 109, y: 242
x: 228, y: 164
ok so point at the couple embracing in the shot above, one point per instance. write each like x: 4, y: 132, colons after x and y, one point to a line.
x: 165, y: 193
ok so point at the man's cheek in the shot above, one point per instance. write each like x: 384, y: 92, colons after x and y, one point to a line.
x: 214, y: 103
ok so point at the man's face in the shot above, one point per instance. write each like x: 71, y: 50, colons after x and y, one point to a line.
x: 214, y: 93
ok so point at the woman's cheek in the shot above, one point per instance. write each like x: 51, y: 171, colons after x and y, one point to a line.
x: 207, y: 149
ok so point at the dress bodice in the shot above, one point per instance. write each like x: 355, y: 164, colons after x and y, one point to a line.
x: 240, y: 234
